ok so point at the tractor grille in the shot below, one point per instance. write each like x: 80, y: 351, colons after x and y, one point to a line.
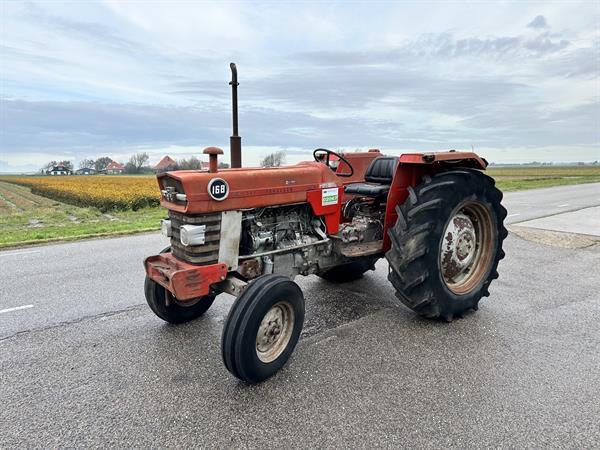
x: 208, y: 253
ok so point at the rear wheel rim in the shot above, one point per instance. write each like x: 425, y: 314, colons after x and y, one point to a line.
x: 467, y: 247
x: 275, y: 331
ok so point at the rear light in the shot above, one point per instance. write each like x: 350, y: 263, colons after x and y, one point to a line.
x: 192, y: 234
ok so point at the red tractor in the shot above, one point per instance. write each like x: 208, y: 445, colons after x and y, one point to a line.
x: 435, y: 217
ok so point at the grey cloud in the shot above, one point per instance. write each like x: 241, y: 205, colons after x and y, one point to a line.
x: 582, y: 62
x: 538, y: 22
x: 100, y: 35
x: 27, y: 55
x: 527, y: 125
x: 50, y: 125
x: 440, y: 45
x: 544, y: 44
x: 76, y: 127
x: 319, y: 90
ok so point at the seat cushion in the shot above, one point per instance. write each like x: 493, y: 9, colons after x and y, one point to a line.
x: 381, y: 170
x: 369, y: 190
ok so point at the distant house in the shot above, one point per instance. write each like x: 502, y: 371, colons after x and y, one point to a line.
x: 58, y: 169
x: 165, y: 164
x: 85, y: 171
x: 115, y: 168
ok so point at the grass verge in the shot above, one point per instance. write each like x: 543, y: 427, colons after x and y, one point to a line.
x: 520, y: 178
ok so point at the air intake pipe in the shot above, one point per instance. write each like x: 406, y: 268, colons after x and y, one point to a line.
x: 235, y: 141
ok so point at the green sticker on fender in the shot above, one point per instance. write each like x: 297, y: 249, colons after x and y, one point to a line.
x: 329, y: 196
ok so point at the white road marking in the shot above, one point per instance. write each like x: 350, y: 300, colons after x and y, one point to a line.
x: 562, y: 206
x: 513, y: 215
x: 16, y: 308
x: 19, y: 253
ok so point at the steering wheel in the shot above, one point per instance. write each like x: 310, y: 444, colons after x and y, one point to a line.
x: 318, y: 152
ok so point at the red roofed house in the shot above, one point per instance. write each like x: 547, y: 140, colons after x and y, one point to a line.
x: 165, y: 164
x: 114, y: 168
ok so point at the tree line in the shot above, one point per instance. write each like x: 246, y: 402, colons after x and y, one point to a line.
x: 138, y: 163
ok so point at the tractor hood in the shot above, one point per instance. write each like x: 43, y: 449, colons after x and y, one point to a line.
x: 195, y: 192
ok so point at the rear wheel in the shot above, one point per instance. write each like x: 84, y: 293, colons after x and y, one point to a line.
x: 447, y: 243
x: 262, y: 328
x: 168, y: 308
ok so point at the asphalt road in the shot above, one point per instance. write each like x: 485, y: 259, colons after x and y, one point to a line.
x: 88, y: 364
x: 536, y: 203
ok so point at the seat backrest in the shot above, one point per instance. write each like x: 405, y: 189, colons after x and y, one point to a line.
x: 382, y: 170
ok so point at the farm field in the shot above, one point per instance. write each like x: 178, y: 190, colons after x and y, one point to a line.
x: 519, y: 178
x: 37, y: 209
x: 27, y: 218
x: 105, y: 193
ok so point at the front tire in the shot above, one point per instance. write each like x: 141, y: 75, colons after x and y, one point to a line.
x: 446, y: 243
x: 262, y: 328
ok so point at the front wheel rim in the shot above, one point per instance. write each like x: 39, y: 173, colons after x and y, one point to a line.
x: 467, y: 247
x: 275, y: 331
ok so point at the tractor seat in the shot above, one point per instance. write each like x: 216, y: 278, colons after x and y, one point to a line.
x: 378, y: 177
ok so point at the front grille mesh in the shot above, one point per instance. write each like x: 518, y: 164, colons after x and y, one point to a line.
x: 197, y: 254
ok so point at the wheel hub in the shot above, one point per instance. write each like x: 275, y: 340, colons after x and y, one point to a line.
x: 459, y: 247
x: 467, y: 247
x: 274, y: 331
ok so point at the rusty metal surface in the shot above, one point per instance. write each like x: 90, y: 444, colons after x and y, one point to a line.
x: 467, y: 247
x: 184, y: 281
x: 250, y: 268
x: 467, y: 159
x: 212, y: 153
x: 363, y: 249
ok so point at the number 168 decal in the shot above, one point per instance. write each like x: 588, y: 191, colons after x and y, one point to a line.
x: 218, y: 189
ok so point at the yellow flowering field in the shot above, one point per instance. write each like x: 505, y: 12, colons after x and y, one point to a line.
x: 104, y: 192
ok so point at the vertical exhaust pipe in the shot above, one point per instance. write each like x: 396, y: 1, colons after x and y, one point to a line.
x: 235, y: 141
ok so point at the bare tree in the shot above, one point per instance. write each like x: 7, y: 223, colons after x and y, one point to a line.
x: 189, y: 164
x: 273, y: 160
x: 102, y: 163
x: 137, y: 162
x: 86, y: 163
x: 49, y: 166
x: 68, y: 165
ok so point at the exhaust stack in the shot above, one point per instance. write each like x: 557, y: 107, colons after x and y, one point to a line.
x: 235, y: 141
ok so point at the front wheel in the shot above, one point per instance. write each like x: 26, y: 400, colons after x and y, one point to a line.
x: 447, y: 243
x: 262, y: 328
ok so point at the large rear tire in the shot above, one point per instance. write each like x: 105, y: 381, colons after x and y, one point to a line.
x: 262, y: 328
x: 446, y: 243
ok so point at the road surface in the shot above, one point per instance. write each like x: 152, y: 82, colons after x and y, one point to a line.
x: 85, y: 363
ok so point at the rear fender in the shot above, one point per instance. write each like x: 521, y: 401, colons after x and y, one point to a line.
x: 411, y: 169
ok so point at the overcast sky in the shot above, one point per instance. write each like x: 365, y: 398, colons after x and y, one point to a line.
x: 517, y: 81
